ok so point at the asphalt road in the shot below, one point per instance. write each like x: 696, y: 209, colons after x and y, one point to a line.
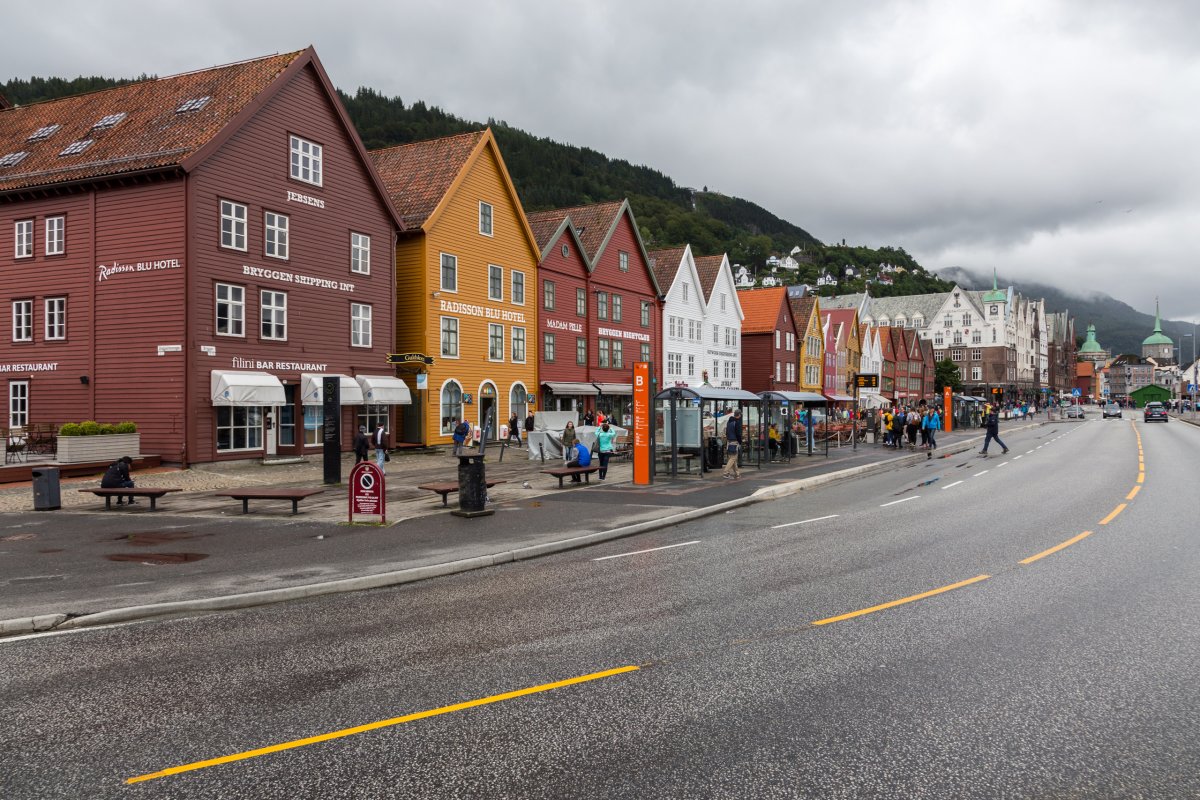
x: 734, y: 662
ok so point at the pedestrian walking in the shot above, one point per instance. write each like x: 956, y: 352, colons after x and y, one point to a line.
x: 605, y: 441
x: 912, y: 421
x: 379, y: 439
x: 733, y: 445
x: 529, y: 421
x: 992, y: 421
x: 514, y: 430
x: 362, y: 445
x: 461, y: 431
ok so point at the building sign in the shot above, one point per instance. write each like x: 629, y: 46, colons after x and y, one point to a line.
x: 163, y: 349
x: 472, y: 310
x: 641, y: 423
x: 409, y: 358
x: 725, y: 353
x: 366, y: 491
x: 37, y: 366
x: 563, y: 325
x: 616, y: 334
x: 286, y: 366
x: 294, y: 277
x: 103, y: 271
x: 296, y: 197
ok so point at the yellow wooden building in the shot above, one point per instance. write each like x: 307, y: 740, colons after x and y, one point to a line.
x: 811, y: 344
x: 466, y: 285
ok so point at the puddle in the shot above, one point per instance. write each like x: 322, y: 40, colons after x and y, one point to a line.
x: 157, y: 558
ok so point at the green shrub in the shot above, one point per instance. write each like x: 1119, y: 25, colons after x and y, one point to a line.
x: 90, y: 428
x: 70, y: 429
x: 107, y: 428
x: 126, y: 427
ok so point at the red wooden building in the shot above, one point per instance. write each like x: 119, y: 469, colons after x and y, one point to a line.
x: 191, y: 253
x: 599, y: 297
x: 770, y: 358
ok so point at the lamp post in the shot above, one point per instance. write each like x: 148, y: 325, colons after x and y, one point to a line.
x: 1191, y: 336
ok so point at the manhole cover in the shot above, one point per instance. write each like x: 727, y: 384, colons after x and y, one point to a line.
x: 158, y: 537
x: 156, y: 558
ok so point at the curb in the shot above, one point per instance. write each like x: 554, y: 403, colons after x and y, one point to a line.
x: 48, y: 622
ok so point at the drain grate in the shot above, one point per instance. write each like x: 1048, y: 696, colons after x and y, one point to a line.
x: 157, y: 558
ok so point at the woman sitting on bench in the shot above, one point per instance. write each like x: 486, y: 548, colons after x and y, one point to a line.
x: 117, y: 477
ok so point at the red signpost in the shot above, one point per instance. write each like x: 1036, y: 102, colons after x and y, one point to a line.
x: 947, y: 408
x: 366, y: 491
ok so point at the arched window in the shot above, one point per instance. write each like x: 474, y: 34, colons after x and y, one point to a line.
x: 516, y: 401
x: 452, y: 407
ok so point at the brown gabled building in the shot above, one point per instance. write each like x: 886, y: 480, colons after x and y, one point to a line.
x: 769, y: 350
x: 192, y: 253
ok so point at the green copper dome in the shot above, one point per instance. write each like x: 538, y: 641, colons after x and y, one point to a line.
x: 996, y: 295
x: 1157, y: 337
x: 1091, y: 345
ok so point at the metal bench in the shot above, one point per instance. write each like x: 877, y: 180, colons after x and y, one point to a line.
x: 109, y: 494
x: 446, y: 488
x: 563, y: 472
x: 246, y: 495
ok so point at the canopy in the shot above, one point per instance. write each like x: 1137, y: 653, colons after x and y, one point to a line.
x: 841, y: 398
x: 873, y: 400
x: 246, y: 389
x: 793, y: 397
x: 311, y: 390
x: 384, y: 390
x: 615, y: 388
x: 710, y: 393
x: 572, y: 388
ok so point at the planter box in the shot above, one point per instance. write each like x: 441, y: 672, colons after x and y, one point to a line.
x: 80, y: 449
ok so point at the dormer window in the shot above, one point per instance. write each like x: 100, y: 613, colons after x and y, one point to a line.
x: 12, y: 159
x: 43, y: 133
x: 195, y: 104
x: 109, y: 121
x: 76, y: 147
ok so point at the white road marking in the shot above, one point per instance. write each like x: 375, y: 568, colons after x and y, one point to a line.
x: 1002, y: 464
x: 951, y: 485
x: 801, y: 522
x: 651, y: 550
x: 905, y: 500
x: 982, y: 472
x: 1016, y: 457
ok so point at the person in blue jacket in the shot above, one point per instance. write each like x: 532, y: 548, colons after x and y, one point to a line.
x: 582, y: 457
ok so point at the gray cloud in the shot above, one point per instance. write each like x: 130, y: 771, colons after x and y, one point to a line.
x: 1053, y: 140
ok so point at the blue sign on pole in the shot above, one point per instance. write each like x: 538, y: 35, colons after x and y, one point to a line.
x: 1191, y: 388
x: 1075, y: 392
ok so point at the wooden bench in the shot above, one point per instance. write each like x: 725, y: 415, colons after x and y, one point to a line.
x: 246, y: 495
x: 446, y: 488
x: 563, y: 472
x: 109, y: 494
x: 684, y: 458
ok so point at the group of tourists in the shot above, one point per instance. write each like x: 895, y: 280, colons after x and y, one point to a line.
x: 900, y: 425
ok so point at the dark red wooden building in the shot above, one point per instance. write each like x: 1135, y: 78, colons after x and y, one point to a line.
x: 770, y: 359
x: 191, y: 253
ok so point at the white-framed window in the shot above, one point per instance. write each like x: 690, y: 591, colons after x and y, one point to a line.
x: 360, y: 254
x: 602, y: 305
x: 674, y: 363
x: 976, y: 337
x: 791, y: 340
x: 958, y: 355
x: 517, y: 289
x: 23, y: 243
x: 449, y: 328
x: 691, y: 364
x: 449, y: 273
x: 518, y: 345
x: 616, y: 308
x: 273, y: 314
x: 548, y: 347
x: 56, y: 235
x: 233, y: 225
x: 646, y: 351
x: 452, y: 406
x: 495, y: 342
x: 723, y: 298
x: 603, y: 354
x: 231, y: 310
x: 306, y: 160
x: 777, y: 372
x: 976, y: 373
x: 776, y: 339
x: 580, y: 301
x: 485, y: 218
x: 958, y: 337
x: 18, y: 404
x: 360, y: 325
x: 623, y: 263
x: 716, y: 332
x: 618, y: 354
x: 22, y: 322
x: 314, y: 420
x: 938, y: 338
x: 275, y: 234
x: 966, y: 319
x: 645, y: 313
x: 56, y: 318
x: 684, y: 290
x: 495, y: 282
x: 580, y: 351
x: 977, y: 355
x: 548, y: 295
x: 239, y: 428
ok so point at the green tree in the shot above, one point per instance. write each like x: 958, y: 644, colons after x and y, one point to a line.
x: 946, y: 373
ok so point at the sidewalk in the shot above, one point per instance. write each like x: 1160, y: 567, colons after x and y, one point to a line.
x: 85, y: 566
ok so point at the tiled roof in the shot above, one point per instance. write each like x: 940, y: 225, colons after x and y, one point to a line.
x: 927, y: 305
x: 544, y: 225
x: 709, y: 267
x: 802, y: 309
x: 665, y: 263
x: 761, y: 308
x: 842, y: 301
x: 153, y: 134
x: 418, y: 175
x: 592, y: 222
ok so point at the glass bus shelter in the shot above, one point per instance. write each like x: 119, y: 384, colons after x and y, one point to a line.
x: 689, y: 427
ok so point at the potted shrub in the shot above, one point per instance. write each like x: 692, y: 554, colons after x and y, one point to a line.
x: 89, y: 441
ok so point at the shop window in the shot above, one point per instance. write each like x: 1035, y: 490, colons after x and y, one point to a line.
x: 360, y: 325
x: 239, y: 428
x: 231, y: 310
x: 307, y: 160
x: 273, y: 312
x: 275, y: 235
x: 233, y: 225
x: 369, y: 416
x: 314, y: 420
x: 56, y: 236
x: 452, y: 407
x: 360, y: 253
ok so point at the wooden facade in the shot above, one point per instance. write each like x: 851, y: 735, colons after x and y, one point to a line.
x: 765, y: 330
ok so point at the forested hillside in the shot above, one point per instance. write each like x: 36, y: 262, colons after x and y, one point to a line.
x: 551, y: 174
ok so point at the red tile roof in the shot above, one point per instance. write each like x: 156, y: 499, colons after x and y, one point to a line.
x: 802, y: 310
x: 152, y: 135
x: 418, y: 175
x: 709, y: 267
x: 545, y: 225
x: 592, y: 222
x: 761, y: 308
x: 665, y: 264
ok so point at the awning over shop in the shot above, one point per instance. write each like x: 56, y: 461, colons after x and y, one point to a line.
x: 873, y: 400
x: 841, y: 398
x: 572, y: 388
x: 793, y: 397
x: 384, y: 390
x: 615, y: 388
x: 351, y: 393
x: 231, y: 388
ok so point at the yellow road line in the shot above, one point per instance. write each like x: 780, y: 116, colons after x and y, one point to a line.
x: 1133, y: 493
x: 1141, y: 477
x: 1113, y: 514
x: 902, y: 601
x: 1056, y: 547
x: 325, y: 737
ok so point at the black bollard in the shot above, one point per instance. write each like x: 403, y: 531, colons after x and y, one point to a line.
x: 472, y: 488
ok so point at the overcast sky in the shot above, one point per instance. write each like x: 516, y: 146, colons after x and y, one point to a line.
x: 1054, y: 141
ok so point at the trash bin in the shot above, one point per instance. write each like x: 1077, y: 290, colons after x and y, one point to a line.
x: 46, y: 496
x: 472, y: 488
x: 716, y: 453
